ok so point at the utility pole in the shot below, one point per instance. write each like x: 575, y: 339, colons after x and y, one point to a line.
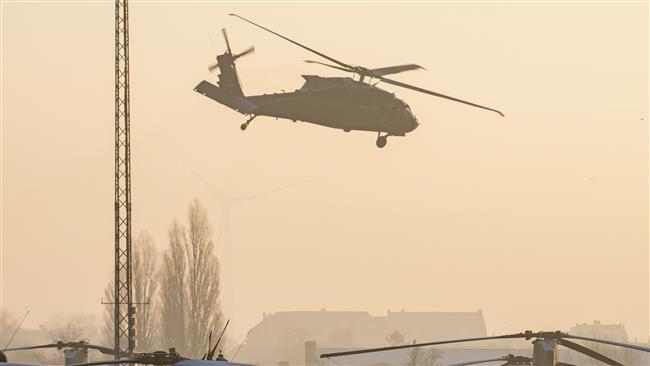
x: 124, y: 310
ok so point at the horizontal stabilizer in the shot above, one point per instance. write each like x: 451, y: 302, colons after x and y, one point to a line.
x: 395, y: 69
x: 238, y: 103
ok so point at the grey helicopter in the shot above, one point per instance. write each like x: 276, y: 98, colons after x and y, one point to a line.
x: 345, y: 103
x: 545, y: 348
x: 76, y: 354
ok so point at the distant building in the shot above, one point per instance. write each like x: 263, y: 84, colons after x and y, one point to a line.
x: 612, y: 332
x: 281, y: 336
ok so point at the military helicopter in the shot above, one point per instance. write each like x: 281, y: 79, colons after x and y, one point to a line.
x: 511, y: 360
x: 74, y: 352
x: 345, y: 103
x: 544, y: 348
x: 158, y: 358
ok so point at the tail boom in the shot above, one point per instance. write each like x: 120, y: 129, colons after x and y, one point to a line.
x: 230, y: 100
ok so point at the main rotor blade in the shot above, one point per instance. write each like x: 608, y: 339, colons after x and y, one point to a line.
x: 407, y: 86
x: 225, y: 36
x: 102, y: 349
x: 370, y: 350
x: 108, y: 362
x: 328, y: 65
x: 564, y: 364
x: 296, y: 43
x: 479, y: 361
x: 213, y: 66
x: 50, y: 345
x: 619, y: 344
x: 589, y: 352
x: 395, y: 69
x: 244, y: 53
x: 60, y: 345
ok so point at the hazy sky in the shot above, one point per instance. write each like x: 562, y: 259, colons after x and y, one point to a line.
x: 539, y: 218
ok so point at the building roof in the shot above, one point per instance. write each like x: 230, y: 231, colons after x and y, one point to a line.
x: 612, y: 332
x: 281, y: 336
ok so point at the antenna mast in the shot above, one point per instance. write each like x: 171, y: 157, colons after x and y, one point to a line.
x: 124, y: 310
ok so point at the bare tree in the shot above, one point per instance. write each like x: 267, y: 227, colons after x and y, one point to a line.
x: 145, y: 290
x: 108, y: 328
x: 47, y: 357
x: 72, y: 328
x: 8, y: 325
x: 190, y: 285
x: 172, y: 290
x: 423, y: 357
x: 70, y: 332
x: 395, y: 339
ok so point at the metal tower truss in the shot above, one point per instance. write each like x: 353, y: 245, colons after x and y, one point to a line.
x: 124, y: 310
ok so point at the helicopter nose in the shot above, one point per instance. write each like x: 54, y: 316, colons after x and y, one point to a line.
x: 414, y: 123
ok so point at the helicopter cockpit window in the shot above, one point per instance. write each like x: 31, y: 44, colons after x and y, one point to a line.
x: 407, y: 110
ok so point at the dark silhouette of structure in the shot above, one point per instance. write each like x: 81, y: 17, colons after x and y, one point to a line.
x: 282, y: 335
x: 337, y: 102
x: 612, y: 332
x: 545, y: 347
x: 123, y: 298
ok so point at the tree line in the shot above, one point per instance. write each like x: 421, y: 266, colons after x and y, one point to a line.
x: 179, y: 291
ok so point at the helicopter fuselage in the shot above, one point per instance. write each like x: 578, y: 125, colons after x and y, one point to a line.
x: 336, y: 102
x: 341, y: 103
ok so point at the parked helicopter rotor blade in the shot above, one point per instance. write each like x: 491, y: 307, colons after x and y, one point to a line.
x: 380, y: 349
x: 102, y: 349
x: 214, y: 349
x: 213, y: 66
x: 589, y: 352
x: 50, y: 345
x: 296, y: 43
x: 328, y: 65
x: 244, y: 53
x: 225, y: 36
x: 564, y: 364
x: 108, y: 362
x: 60, y: 345
x: 394, y: 69
x: 480, y: 361
x: 407, y: 86
x: 511, y: 360
x: 619, y: 344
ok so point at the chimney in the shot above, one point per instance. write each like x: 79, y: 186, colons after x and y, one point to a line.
x: 311, y: 358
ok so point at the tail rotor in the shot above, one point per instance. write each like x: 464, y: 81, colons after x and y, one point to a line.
x: 225, y: 36
x: 232, y: 57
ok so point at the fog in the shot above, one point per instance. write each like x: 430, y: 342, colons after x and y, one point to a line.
x: 540, y: 218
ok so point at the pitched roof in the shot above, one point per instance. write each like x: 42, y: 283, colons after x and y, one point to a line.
x: 282, y: 335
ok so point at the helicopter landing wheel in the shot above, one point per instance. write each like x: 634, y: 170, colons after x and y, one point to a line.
x: 346, y: 130
x: 381, y: 141
x: 245, y: 124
